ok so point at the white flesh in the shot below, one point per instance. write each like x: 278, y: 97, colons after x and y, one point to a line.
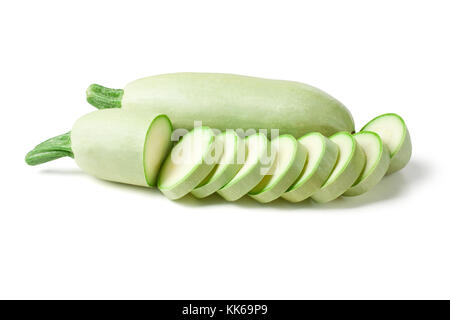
x: 321, y: 159
x: 377, y: 163
x: 252, y: 172
x: 288, y: 163
x: 349, y: 166
x: 157, y: 146
x: 393, y: 132
x: 189, y: 163
x: 227, y: 167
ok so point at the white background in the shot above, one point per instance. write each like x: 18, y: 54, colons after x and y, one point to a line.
x: 64, y: 234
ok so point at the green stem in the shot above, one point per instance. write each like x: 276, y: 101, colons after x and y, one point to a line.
x: 51, y: 149
x: 103, y: 97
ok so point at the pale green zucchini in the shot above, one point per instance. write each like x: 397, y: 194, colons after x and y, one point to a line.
x: 288, y: 163
x: 257, y: 161
x: 350, y: 163
x: 226, y: 168
x: 377, y: 162
x: 393, y: 132
x: 226, y: 101
x: 189, y: 162
x: 113, y: 145
x: 320, y: 161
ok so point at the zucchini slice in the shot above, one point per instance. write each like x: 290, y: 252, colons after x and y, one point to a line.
x: 189, y: 162
x: 253, y: 169
x: 321, y: 159
x: 289, y: 159
x: 377, y: 162
x: 350, y: 163
x: 393, y: 132
x: 226, y: 168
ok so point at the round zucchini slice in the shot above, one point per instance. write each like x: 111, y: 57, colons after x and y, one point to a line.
x: 322, y: 154
x: 189, y: 162
x: 253, y: 169
x: 393, y: 132
x: 288, y: 163
x: 350, y: 163
x: 226, y: 168
x: 377, y: 162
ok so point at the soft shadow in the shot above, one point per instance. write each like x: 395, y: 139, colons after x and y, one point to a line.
x: 74, y: 171
x: 390, y: 187
x: 128, y: 187
x: 77, y: 171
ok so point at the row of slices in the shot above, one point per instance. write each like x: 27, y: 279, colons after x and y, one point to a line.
x: 312, y: 166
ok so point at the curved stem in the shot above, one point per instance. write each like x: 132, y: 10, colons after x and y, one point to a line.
x: 103, y: 97
x: 109, y: 92
x: 51, y: 149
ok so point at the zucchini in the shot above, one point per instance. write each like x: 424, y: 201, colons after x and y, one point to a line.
x: 288, y: 163
x: 321, y: 159
x: 113, y: 145
x: 257, y: 160
x: 393, y: 132
x: 189, y: 162
x: 350, y: 163
x: 226, y: 168
x: 226, y: 101
x: 377, y: 162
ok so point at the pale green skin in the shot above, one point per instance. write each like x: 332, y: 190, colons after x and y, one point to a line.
x: 275, y: 189
x: 402, y: 154
x: 110, y: 145
x: 367, y: 181
x: 227, y: 101
x: 304, y: 187
x: 217, y: 179
x: 198, y: 172
x: 347, y: 176
x: 240, y: 186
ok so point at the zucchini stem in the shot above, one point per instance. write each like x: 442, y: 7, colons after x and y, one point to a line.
x: 104, y: 98
x: 51, y: 149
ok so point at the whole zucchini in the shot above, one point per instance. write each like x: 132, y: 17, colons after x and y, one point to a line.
x: 226, y: 101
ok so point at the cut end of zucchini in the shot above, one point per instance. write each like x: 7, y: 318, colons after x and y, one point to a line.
x: 289, y: 159
x: 393, y: 132
x: 322, y: 155
x: 351, y: 161
x: 377, y: 162
x: 121, y: 146
x: 157, y: 145
x: 189, y: 163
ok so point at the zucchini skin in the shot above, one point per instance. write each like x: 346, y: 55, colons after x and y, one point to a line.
x: 110, y: 145
x: 227, y: 101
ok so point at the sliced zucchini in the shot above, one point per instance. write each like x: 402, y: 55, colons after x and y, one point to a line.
x: 393, y: 132
x: 288, y: 163
x: 322, y: 154
x: 350, y: 163
x: 189, y: 162
x: 252, y: 171
x: 226, y: 168
x: 377, y: 162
